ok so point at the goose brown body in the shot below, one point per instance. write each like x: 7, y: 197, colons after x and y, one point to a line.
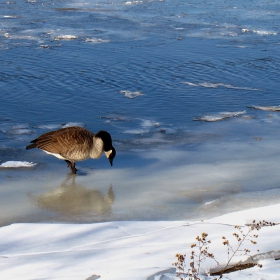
x: 75, y: 144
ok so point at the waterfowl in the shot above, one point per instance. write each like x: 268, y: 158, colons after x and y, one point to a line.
x: 75, y: 144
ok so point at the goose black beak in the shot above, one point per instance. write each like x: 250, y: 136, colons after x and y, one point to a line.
x: 112, y: 156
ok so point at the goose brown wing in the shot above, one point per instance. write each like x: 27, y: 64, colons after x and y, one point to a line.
x: 65, y: 141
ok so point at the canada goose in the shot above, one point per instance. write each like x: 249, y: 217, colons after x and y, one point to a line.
x: 75, y: 144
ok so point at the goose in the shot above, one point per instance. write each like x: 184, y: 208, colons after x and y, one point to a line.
x: 75, y: 144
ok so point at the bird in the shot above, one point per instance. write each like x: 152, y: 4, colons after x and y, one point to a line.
x: 75, y: 144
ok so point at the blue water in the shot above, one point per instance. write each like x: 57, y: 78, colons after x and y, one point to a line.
x: 68, y: 61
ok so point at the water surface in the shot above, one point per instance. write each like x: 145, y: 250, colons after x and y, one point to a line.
x: 142, y: 70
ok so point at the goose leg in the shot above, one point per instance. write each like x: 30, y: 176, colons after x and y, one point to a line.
x: 71, y: 165
x: 73, y: 168
x: 68, y: 163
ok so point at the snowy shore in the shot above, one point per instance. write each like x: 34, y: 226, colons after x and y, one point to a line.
x: 131, y: 250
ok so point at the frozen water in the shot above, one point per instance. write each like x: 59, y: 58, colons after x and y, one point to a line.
x: 81, y: 124
x: 77, y: 63
x: 136, y: 131
x: 97, y: 40
x: 219, y: 117
x: 15, y: 128
x: 217, y: 85
x: 266, y: 108
x: 50, y: 126
x: 131, y: 94
x: 65, y: 37
x: 19, y: 131
x: 17, y: 164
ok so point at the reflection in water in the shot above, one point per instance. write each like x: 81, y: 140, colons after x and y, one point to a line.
x: 75, y: 199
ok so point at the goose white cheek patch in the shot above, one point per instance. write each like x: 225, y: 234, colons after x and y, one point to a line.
x: 108, y: 153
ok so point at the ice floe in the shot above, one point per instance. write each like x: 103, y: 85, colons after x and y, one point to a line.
x: 9, y: 16
x: 131, y: 94
x: 49, y: 126
x: 136, y: 131
x: 15, y: 129
x: 65, y: 37
x: 145, y: 127
x: 217, y: 85
x: 266, y: 108
x: 133, y: 2
x: 97, y: 40
x: 259, y: 32
x: 219, y: 116
x: 17, y: 164
x: 20, y: 131
x: 81, y: 124
x: 58, y: 126
x: 147, y: 123
x: 23, y: 37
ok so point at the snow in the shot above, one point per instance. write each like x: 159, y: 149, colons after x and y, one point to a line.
x: 131, y: 249
x: 16, y: 164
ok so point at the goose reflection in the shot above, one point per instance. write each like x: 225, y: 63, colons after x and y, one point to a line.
x: 75, y: 199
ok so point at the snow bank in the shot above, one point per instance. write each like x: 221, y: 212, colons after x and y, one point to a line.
x: 128, y: 250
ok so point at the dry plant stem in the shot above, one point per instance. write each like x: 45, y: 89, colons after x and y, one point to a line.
x: 240, y: 242
x: 202, y: 247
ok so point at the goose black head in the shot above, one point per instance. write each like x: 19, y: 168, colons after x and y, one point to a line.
x: 109, y: 150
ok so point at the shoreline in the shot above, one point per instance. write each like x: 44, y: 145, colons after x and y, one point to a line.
x: 124, y: 250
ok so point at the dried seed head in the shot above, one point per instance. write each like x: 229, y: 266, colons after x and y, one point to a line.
x: 204, y: 235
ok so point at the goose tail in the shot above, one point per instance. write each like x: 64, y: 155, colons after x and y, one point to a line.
x: 31, y: 146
